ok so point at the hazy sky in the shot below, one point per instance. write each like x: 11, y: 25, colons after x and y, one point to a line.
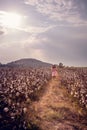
x: 49, y: 30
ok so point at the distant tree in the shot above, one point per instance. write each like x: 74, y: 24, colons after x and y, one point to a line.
x: 61, y: 65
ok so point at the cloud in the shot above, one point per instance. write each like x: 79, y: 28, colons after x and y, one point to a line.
x: 50, y: 31
x: 48, y: 48
x: 34, y: 46
x: 37, y: 29
x: 1, y: 32
x: 11, y: 51
x: 31, y: 48
x: 70, y: 11
x: 28, y: 28
x: 10, y: 20
x: 57, y: 47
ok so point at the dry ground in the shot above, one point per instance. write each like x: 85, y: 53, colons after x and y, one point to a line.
x: 55, y: 110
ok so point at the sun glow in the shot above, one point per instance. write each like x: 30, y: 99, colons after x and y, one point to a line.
x: 11, y: 20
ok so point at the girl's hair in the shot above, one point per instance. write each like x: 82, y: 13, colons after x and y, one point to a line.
x: 54, y: 66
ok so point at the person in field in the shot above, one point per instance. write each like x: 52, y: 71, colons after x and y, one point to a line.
x: 54, y: 71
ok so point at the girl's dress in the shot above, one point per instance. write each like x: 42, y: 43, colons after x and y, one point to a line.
x: 54, y: 72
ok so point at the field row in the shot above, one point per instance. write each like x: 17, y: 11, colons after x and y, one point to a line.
x: 18, y: 87
x: 75, y: 80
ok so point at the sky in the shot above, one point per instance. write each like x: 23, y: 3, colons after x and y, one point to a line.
x: 53, y: 31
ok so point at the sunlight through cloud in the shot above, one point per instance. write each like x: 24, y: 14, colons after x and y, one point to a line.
x: 10, y: 20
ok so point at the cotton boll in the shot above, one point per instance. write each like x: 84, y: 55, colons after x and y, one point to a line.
x: 24, y: 109
x: 6, y: 109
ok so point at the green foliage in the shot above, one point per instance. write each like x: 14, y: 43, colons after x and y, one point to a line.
x: 61, y: 65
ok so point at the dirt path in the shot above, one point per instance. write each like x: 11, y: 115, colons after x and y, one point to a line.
x: 54, y: 110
